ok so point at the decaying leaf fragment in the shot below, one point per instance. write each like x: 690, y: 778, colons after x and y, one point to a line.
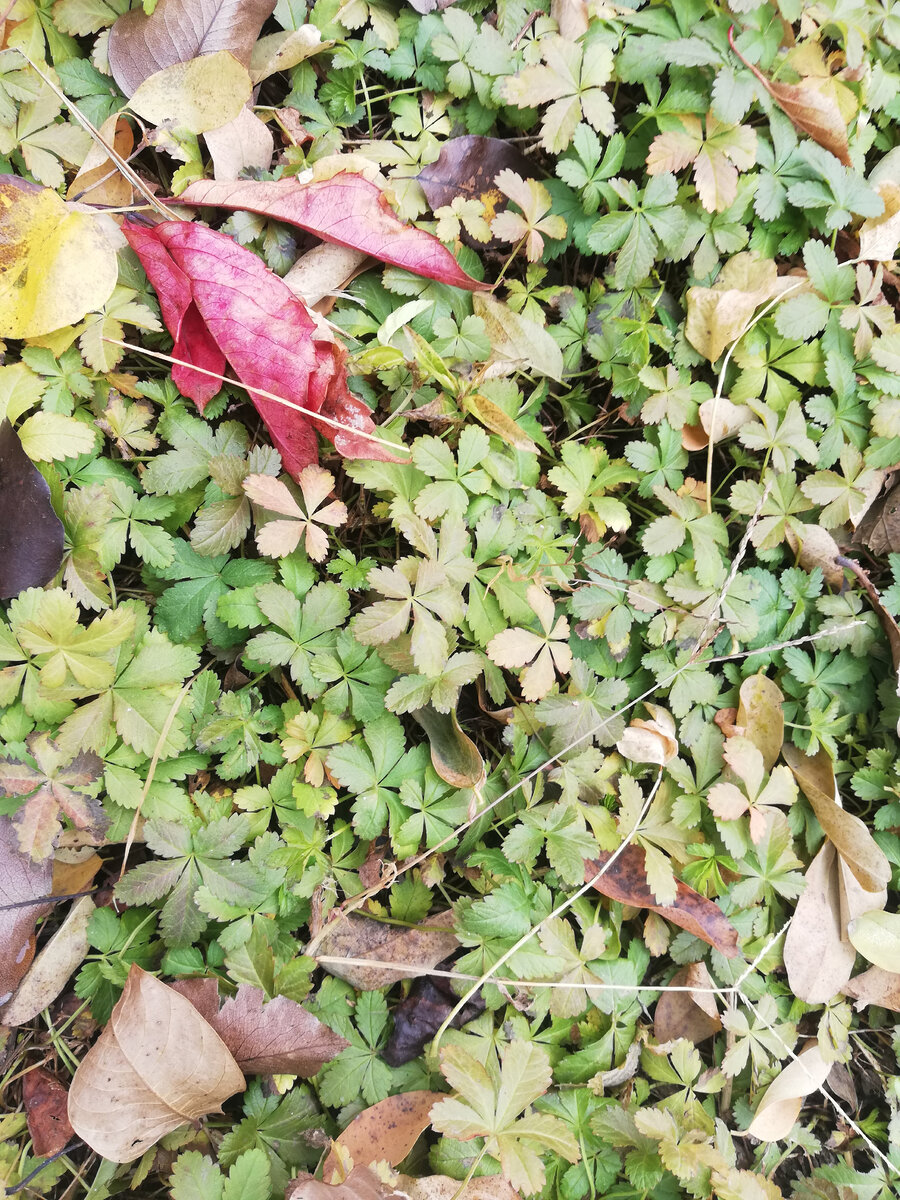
x: 21, y: 880
x: 157, y: 1065
x: 363, y: 1184
x: 716, y: 315
x: 875, y: 986
x: 818, y: 956
x: 45, y: 1098
x: 652, y: 741
x: 51, y: 969
x: 454, y: 755
x: 780, y: 1106
x: 417, y: 1019
x: 386, y: 1132
x: 879, y: 237
x: 692, y: 1015
x: 415, y: 951
x: 31, y: 547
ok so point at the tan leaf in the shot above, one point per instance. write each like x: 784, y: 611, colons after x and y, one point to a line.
x: 817, y: 549
x: 323, y: 271
x: 691, y: 1015
x: 281, y: 51
x: 242, y: 143
x: 571, y: 16
x: 363, y: 1184
x: 880, y: 236
x: 652, y: 741
x: 716, y: 315
x: 876, y: 936
x: 99, y: 180
x: 875, y: 986
x: 454, y: 755
x: 21, y: 880
x: 200, y: 94
x: 360, y: 1184
x: 155, y: 1066
x: 50, y: 971
x: 266, y: 1037
x: 759, y: 715
x: 385, y: 1132
x: 442, y: 1187
x: 851, y: 838
x: 817, y: 955
x: 406, y: 953
x: 780, y: 1106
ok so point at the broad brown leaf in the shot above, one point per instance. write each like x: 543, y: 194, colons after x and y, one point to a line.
x: 363, y: 1184
x: 692, y: 1015
x: 157, y: 1065
x: 385, y: 1132
x: 31, y: 546
x: 418, y: 1018
x: 817, y: 954
x: 780, y: 1106
x: 414, y: 951
x: 468, y: 166
x: 45, y: 1100
x: 626, y: 882
x: 21, y: 880
x: 52, y: 967
x: 875, y: 986
x: 179, y: 30
x: 879, y: 530
x: 274, y: 1037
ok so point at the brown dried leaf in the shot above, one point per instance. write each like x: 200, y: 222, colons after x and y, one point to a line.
x: 467, y: 166
x: 274, y: 1037
x: 418, y: 1018
x: 45, y: 1099
x: 879, y: 236
x: 360, y: 1184
x: 691, y: 1015
x: 817, y: 549
x: 442, y: 1187
x: 759, y: 715
x: 879, y: 530
x: 875, y: 986
x: 21, y: 880
x: 626, y: 882
x: 50, y: 971
x: 99, y: 180
x: 652, y: 741
x: 323, y: 271
x: 817, y: 955
x: 31, y: 547
x: 417, y: 950
x: 780, y: 1106
x: 851, y: 838
x: 385, y: 1132
x: 179, y: 30
x: 363, y: 1184
x: 157, y: 1065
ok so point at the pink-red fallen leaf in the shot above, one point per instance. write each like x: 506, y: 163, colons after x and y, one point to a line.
x: 626, y: 881
x: 271, y: 1037
x: 45, y: 1101
x: 235, y: 308
x: 347, y: 209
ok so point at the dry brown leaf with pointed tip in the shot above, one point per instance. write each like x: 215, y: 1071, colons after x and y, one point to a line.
x: 442, y: 1187
x: 99, y: 180
x: 418, y: 949
x: 875, y: 986
x: 817, y: 548
x: 817, y: 954
x: 21, y: 880
x: 652, y: 741
x: 50, y: 971
x: 244, y: 142
x: 157, y: 1065
x: 780, y: 1106
x: 360, y: 1184
x: 759, y: 715
x: 693, y: 1015
x: 880, y: 236
x: 266, y: 1037
x: 851, y: 838
x: 716, y: 315
x: 385, y: 1132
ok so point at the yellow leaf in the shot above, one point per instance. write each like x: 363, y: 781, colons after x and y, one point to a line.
x: 56, y: 263
x: 717, y: 315
x: 197, y: 95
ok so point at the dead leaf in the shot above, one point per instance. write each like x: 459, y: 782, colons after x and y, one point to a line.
x: 493, y: 417
x: 56, y: 263
x: 454, y: 755
x: 52, y: 968
x: 759, y: 715
x: 716, y: 315
x: 879, y: 530
x: 818, y: 956
x: 266, y: 1037
x: 817, y: 548
x: 245, y: 143
x: 652, y: 741
x: 780, y: 1106
x: 442, y: 1187
x: 284, y: 50
x: 880, y: 236
x: 99, y: 180
x: 74, y: 868
x: 888, y: 624
x: 418, y: 1018
x: 31, y: 547
x: 516, y: 342
x: 571, y: 16
x: 626, y: 882
x: 386, y: 1132
x: 323, y: 271
x: 851, y: 838
x: 179, y: 30
x: 468, y: 166
x: 719, y: 419
x: 155, y: 1066
x: 363, y: 1184
x: 417, y: 949
x: 875, y: 986
x: 21, y: 881
x: 194, y: 96
x: 44, y: 1098
x: 691, y: 1015
x: 360, y: 1184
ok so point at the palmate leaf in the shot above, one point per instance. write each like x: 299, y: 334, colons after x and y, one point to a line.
x: 306, y: 628
x: 571, y: 79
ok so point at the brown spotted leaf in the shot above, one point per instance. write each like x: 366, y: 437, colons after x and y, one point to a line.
x: 385, y: 1132
x: 22, y: 880
x: 45, y: 1101
x: 690, y: 1014
x: 405, y: 952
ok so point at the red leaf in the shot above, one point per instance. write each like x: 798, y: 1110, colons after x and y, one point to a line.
x: 222, y: 302
x: 45, y: 1101
x: 626, y: 881
x: 348, y: 210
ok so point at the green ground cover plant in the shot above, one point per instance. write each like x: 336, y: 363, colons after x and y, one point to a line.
x: 507, y: 736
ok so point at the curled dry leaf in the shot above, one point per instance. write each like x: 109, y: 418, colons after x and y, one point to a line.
x: 51, y: 969
x: 31, y: 547
x: 281, y: 51
x: 415, y: 951
x: 719, y: 419
x: 99, y: 180
x: 851, y: 838
x: 157, y: 1065
x: 880, y: 236
x: 266, y: 1037
x: 626, y: 882
x: 875, y: 986
x: 879, y: 530
x: 45, y: 1098
x: 817, y: 548
x: 386, y: 1132
x: 194, y: 96
x: 692, y: 1015
x: 360, y: 1184
x: 347, y: 209
x: 652, y: 741
x: 177, y: 30
x: 759, y: 715
x: 56, y: 263
x: 22, y: 880
x: 454, y: 755
x: 780, y: 1106
x: 817, y: 954
x: 716, y: 315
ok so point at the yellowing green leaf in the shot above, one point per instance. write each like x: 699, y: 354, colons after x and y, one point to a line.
x: 717, y: 315
x: 48, y: 436
x: 876, y: 935
x: 194, y: 96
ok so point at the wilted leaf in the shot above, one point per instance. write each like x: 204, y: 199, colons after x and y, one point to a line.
x: 156, y: 1065
x: 692, y: 1015
x: 875, y: 986
x: 360, y: 1184
x: 56, y: 263
x: 442, y: 1187
x: 418, y: 1018
x: 815, y: 547
x: 876, y: 936
x: 817, y: 955
x: 414, y: 951
x: 493, y: 417
x: 347, y: 209
x: 386, y: 1132
x: 178, y: 30
x: 22, y: 880
x: 202, y: 93
x: 51, y: 969
x: 516, y: 342
x: 454, y: 755
x: 880, y: 236
x: 760, y: 717
x: 626, y: 882
x: 266, y: 1037
x: 780, y: 1106
x: 468, y: 166
x: 31, y: 547
x: 716, y: 315
x: 879, y: 529
x: 323, y: 271
x: 44, y: 1098
x: 652, y: 741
